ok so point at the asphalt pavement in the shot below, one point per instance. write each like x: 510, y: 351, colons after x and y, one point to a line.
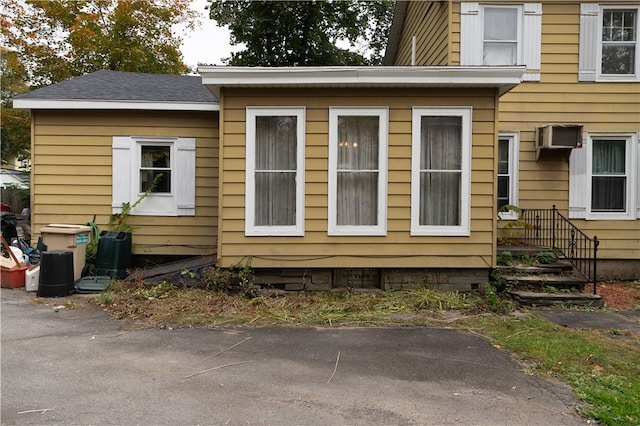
x: 76, y: 366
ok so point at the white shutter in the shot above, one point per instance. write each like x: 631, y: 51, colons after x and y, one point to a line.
x: 588, y: 62
x: 121, y: 172
x: 185, y: 179
x: 637, y: 170
x: 532, y: 39
x: 470, y: 34
x: 579, y: 180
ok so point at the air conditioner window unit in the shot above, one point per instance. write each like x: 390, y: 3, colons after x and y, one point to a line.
x: 559, y: 136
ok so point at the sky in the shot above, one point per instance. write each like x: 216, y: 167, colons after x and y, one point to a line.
x: 208, y: 43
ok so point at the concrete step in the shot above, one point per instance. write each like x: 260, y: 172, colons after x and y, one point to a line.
x: 518, y: 250
x: 529, y: 298
x: 544, y: 280
x: 549, y: 268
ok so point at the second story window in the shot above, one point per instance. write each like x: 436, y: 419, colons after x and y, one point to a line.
x: 501, y: 35
x: 608, y: 43
x: 619, y: 41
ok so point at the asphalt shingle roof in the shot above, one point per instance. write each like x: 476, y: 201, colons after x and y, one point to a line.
x: 107, y: 85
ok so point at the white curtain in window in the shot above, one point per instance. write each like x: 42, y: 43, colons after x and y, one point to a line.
x: 357, y: 170
x: 440, y: 171
x: 500, y: 36
x: 275, y: 170
x: 608, y: 184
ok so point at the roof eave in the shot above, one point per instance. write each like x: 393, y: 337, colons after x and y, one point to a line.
x: 501, y: 78
x: 100, y: 104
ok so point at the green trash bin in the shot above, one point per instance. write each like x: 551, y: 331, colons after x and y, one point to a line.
x: 113, y: 257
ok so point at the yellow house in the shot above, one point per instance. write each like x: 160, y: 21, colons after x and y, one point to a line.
x: 319, y: 177
x: 569, y: 134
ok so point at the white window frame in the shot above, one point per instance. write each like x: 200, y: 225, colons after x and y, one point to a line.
x: 514, y: 147
x: 518, y: 40
x: 590, y: 58
x: 297, y: 229
x: 529, y: 35
x: 464, y: 228
x: 580, y: 185
x: 126, y: 164
x: 380, y: 229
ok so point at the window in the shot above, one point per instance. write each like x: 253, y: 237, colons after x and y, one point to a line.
x: 603, y: 178
x: 619, y: 39
x: 608, y: 43
x: 440, y: 179
x: 501, y: 38
x: 155, y: 168
x: 501, y: 35
x: 357, y: 171
x: 164, y: 165
x: 507, y: 173
x: 275, y: 171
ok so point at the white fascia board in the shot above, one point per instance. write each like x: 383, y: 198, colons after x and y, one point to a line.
x: 87, y: 104
x: 503, y: 78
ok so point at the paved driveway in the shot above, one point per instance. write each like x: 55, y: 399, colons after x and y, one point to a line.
x: 79, y: 367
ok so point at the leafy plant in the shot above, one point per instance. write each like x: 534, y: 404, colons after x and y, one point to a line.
x: 238, y: 279
x: 505, y: 258
x: 510, y: 208
x: 512, y: 231
x: 117, y: 221
x: 546, y: 257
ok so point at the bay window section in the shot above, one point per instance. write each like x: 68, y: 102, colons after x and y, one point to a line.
x: 357, y: 171
x: 275, y: 171
x: 440, y: 183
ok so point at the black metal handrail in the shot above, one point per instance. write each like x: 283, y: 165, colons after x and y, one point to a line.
x: 549, y: 228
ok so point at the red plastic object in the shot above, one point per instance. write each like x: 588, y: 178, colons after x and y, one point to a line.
x: 12, y: 278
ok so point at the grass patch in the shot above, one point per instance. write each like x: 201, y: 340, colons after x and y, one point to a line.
x: 603, y: 371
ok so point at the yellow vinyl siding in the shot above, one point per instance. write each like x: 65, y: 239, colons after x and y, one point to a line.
x: 397, y: 248
x: 560, y: 98
x: 72, y: 166
x: 427, y: 21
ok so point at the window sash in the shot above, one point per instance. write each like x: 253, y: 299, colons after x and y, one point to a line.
x: 440, y: 185
x: 617, y: 41
x: 357, y: 171
x: 609, y: 175
x: 501, y: 39
x: 155, y: 160
x: 274, y: 171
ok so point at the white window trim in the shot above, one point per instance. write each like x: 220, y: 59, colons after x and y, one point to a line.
x: 617, y: 77
x: 590, y: 55
x: 514, y: 148
x: 465, y: 180
x: 350, y: 230
x: 529, y: 35
x: 126, y: 177
x: 581, y: 178
x: 291, y: 230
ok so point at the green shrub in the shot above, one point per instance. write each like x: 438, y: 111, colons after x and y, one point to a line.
x: 546, y: 257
